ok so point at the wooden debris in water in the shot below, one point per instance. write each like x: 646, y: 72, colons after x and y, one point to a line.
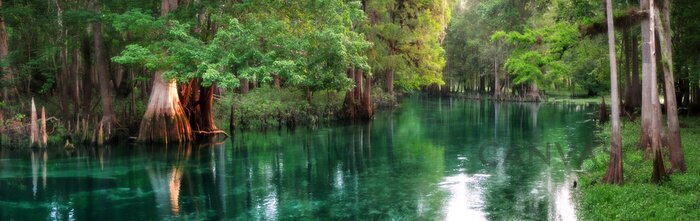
x: 44, y: 136
x: 34, y: 129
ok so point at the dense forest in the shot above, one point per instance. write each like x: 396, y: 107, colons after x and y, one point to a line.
x: 172, y: 71
x: 525, y: 50
x: 84, y: 75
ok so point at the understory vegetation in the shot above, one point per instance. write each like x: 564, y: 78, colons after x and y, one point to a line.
x: 677, y: 198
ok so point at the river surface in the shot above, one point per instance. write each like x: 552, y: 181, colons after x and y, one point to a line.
x: 430, y: 159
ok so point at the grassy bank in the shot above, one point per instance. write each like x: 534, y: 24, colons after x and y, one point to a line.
x: 638, y: 199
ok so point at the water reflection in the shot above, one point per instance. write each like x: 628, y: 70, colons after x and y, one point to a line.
x: 430, y: 159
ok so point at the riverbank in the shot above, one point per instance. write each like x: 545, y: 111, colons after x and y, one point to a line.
x: 639, y: 199
x: 267, y: 108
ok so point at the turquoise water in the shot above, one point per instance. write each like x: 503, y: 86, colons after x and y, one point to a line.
x: 430, y: 159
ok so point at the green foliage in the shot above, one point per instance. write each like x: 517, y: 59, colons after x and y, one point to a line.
x: 407, y: 40
x: 537, y: 54
x: 308, y: 52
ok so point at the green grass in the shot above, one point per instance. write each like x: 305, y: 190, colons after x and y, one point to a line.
x: 577, y: 98
x: 638, y: 199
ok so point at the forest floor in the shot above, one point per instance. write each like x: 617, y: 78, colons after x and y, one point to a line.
x: 677, y: 198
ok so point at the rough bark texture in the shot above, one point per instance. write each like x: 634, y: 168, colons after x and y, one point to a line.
x: 614, y: 173
x: 164, y: 120
x: 109, y: 117
x: 674, y: 135
x: 8, y: 72
x: 647, y: 59
x: 658, y: 172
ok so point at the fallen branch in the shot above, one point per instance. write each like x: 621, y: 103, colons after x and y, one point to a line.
x: 212, y: 132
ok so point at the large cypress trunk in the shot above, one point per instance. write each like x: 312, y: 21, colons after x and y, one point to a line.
x: 109, y: 117
x: 165, y: 120
x: 200, y: 112
x: 533, y: 93
x: 674, y: 135
x: 614, y: 174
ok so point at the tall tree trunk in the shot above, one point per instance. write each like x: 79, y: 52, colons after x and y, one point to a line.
x: 647, y: 60
x: 614, y: 173
x: 636, y: 101
x: 358, y: 84
x: 628, y: 70
x: 164, y: 120
x: 350, y: 104
x: 367, y: 99
x: 658, y: 172
x: 109, y: 117
x: 496, y: 81
x: 202, y: 117
x: 674, y: 135
x: 390, y: 81
x: 10, y: 90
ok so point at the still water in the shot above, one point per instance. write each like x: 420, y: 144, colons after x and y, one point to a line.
x: 430, y: 159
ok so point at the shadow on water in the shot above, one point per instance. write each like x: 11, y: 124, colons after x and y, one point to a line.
x: 430, y: 159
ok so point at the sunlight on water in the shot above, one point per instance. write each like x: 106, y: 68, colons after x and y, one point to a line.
x: 427, y: 160
x: 465, y: 200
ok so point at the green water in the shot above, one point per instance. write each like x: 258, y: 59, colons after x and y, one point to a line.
x: 430, y: 159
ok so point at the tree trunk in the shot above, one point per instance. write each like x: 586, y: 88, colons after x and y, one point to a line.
x: 496, y: 81
x: 627, y: 71
x: 164, y: 120
x: 109, y: 117
x: 9, y: 91
x: 390, y: 81
x: 614, y: 173
x: 203, y: 120
x: 277, y: 81
x: 358, y: 84
x: 674, y: 135
x: 647, y: 60
x: 533, y: 93
x: 636, y: 101
x: 244, y: 86
x: 658, y: 172
x: 367, y: 99
x: 350, y: 101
